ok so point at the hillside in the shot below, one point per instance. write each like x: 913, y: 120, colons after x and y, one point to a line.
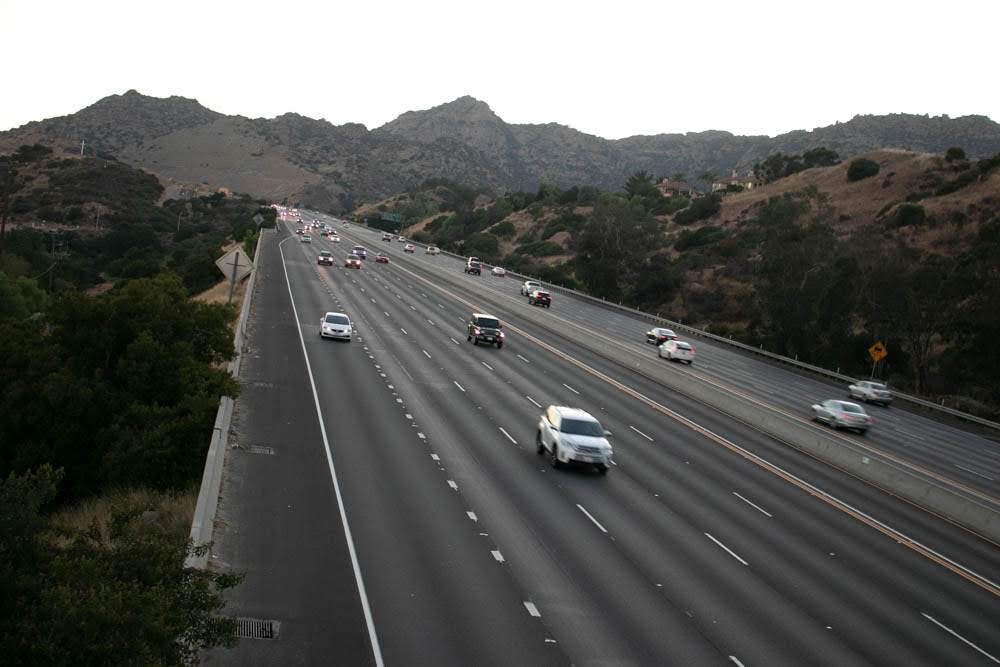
x: 334, y: 168
x: 814, y: 265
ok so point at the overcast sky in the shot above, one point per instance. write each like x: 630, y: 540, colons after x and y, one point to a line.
x: 613, y: 69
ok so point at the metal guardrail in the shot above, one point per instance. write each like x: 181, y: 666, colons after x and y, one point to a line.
x: 655, y: 319
x: 203, y: 521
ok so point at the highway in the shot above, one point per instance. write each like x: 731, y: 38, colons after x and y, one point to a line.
x: 707, y: 543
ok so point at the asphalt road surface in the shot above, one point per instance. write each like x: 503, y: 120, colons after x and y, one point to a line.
x: 706, y: 543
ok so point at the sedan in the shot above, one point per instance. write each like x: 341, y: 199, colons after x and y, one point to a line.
x: 353, y: 262
x: 326, y: 257
x: 676, y: 349
x: 870, y: 392
x: 334, y: 237
x: 336, y: 325
x: 432, y: 250
x: 841, y: 414
x: 306, y: 238
x: 658, y: 335
x: 409, y: 248
x: 530, y: 286
x: 498, y: 271
x: 381, y: 258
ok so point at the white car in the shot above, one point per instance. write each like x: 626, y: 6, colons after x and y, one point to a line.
x: 335, y: 238
x: 498, y: 271
x: 432, y: 250
x: 530, y: 286
x: 676, y: 349
x: 570, y: 435
x: 870, y: 392
x: 842, y: 414
x: 306, y: 238
x: 409, y: 247
x: 401, y: 239
x: 336, y: 325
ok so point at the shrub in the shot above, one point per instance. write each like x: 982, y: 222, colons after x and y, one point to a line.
x: 954, y: 154
x: 504, y: 230
x: 541, y: 249
x: 861, y: 168
x: 700, y: 209
x: 698, y: 237
x: 908, y: 215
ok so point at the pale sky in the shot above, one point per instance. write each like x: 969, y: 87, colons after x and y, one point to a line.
x: 613, y: 69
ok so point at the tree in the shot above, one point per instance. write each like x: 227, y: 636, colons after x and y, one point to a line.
x: 820, y: 157
x: 708, y: 177
x: 640, y: 184
x: 861, y: 168
x: 954, y: 154
x: 612, y: 245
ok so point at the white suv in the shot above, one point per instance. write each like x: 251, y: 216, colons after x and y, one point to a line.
x: 573, y: 435
x: 870, y: 392
x: 530, y: 286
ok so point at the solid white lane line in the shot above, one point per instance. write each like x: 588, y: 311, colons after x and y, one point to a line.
x: 532, y: 609
x: 355, y: 565
x: 507, y: 434
x: 728, y: 550
x: 591, y: 517
x: 735, y: 660
x: 534, y: 402
x: 497, y: 555
x: 425, y: 354
x: 756, y: 507
x: 952, y: 632
x: 640, y: 433
x: 979, y: 474
x: 571, y: 389
x: 523, y: 359
x: 459, y: 386
x: 451, y: 483
x: 472, y: 516
x: 454, y: 341
x: 487, y: 365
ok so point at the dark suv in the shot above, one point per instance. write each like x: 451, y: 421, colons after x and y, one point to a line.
x: 540, y: 298
x: 486, y: 329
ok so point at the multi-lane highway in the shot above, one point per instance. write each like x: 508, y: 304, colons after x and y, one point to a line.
x: 403, y: 514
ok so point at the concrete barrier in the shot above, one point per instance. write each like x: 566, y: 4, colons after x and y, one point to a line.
x: 203, y: 522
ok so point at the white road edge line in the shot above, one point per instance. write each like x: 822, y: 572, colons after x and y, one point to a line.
x: 640, y: 433
x: 536, y: 403
x: 756, y: 507
x: 507, y: 434
x: 532, y: 609
x: 736, y: 660
x: 952, y: 632
x: 979, y: 474
x: 591, y: 517
x: 459, y: 386
x: 571, y: 389
x: 369, y: 621
x: 727, y: 549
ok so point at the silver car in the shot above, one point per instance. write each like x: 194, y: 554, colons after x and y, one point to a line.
x: 842, y: 414
x: 870, y: 392
x: 336, y: 325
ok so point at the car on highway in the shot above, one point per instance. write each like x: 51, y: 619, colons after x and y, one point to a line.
x: 334, y: 237
x: 499, y: 271
x: 658, y: 335
x: 360, y: 251
x: 485, y: 328
x: 352, y: 262
x: 409, y: 247
x: 432, y: 250
x: 401, y: 239
x: 870, y: 392
x: 299, y: 231
x: 381, y: 258
x: 678, y: 350
x: 306, y: 238
x: 386, y: 237
x: 530, y: 286
x: 325, y: 257
x: 540, y: 298
x: 842, y: 414
x: 571, y: 435
x: 474, y: 267
x: 336, y: 325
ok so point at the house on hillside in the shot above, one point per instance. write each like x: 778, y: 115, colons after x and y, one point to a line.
x: 735, y: 183
x: 669, y: 188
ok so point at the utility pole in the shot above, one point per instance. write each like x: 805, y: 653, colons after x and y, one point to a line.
x: 232, y: 280
x: 82, y: 144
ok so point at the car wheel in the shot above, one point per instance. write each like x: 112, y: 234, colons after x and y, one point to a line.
x: 468, y: 338
x: 602, y: 469
x: 556, y: 463
x: 690, y: 362
x: 538, y: 443
x: 499, y: 345
x: 862, y: 431
x: 475, y: 341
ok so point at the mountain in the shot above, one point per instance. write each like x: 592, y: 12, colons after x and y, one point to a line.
x: 335, y: 167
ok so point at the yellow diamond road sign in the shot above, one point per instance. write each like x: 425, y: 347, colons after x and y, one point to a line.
x: 237, y: 256
x: 878, y: 352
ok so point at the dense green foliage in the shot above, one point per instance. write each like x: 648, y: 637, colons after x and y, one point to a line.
x: 954, y: 154
x: 861, y: 168
x: 780, y: 165
x: 700, y: 209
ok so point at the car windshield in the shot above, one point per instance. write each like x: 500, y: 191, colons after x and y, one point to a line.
x: 683, y: 346
x: 848, y: 407
x: 337, y: 319
x: 876, y: 385
x: 582, y: 427
x: 543, y: 294
x: 349, y: 257
x: 326, y: 253
x: 488, y: 323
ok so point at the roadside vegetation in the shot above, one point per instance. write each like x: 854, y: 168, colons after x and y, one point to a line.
x: 799, y: 272
x: 109, y: 401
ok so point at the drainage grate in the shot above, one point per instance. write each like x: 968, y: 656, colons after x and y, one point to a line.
x: 261, y: 449
x: 257, y: 628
